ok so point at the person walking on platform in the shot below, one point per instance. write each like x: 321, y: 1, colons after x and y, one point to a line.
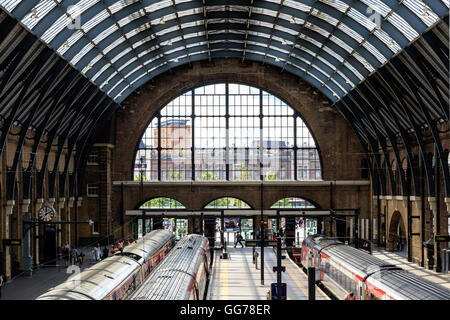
x: 239, y: 240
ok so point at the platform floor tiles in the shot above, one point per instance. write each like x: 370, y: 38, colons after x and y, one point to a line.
x: 236, y: 278
x: 399, y: 260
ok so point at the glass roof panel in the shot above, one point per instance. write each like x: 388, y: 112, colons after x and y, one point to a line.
x: 56, y: 23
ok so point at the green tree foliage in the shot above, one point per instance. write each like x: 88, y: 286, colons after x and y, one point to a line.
x: 174, y: 175
x: 208, y: 176
x: 245, y: 173
x: 271, y: 176
x: 138, y: 177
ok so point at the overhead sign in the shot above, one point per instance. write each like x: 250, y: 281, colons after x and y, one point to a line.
x: 442, y: 238
x: 12, y: 242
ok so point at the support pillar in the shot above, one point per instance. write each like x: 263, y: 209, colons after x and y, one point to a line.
x: 290, y: 231
x: 69, y: 227
x: 27, y: 259
x: 7, y: 232
x: 39, y: 203
x: 210, y: 230
x: 61, y: 232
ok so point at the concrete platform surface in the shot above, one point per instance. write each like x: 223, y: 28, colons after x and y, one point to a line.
x: 44, y: 278
x: 398, y: 259
x: 236, y: 278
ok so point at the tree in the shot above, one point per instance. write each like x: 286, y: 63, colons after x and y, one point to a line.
x: 245, y: 174
x: 208, y: 175
x: 270, y: 176
x: 174, y: 175
x: 138, y: 177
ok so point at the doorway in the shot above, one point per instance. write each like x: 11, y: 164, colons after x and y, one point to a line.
x: 49, y: 247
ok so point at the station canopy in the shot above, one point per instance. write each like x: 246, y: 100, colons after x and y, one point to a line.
x: 332, y: 44
x: 382, y: 63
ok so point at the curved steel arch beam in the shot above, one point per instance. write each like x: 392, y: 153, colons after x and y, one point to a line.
x: 398, y: 91
x: 363, y: 140
x: 70, y: 84
x: 362, y: 93
x: 314, y: 35
x: 359, y: 114
x: 409, y: 80
x: 58, y: 70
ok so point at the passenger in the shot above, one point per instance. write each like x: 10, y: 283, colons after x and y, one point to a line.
x: 120, y: 247
x: 97, y: 252
x: 74, y: 255
x: 113, y: 250
x: 80, y: 257
x: 239, y: 240
x: 66, y: 254
x: 105, y: 253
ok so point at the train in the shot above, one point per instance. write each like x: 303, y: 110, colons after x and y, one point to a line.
x: 116, y: 277
x: 352, y: 274
x: 183, y: 275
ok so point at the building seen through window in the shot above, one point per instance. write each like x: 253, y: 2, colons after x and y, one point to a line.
x: 227, y: 132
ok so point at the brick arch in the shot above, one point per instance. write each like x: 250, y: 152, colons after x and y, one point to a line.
x: 296, y: 196
x: 335, y: 139
x: 140, y: 203
x: 397, y: 227
x: 227, y: 196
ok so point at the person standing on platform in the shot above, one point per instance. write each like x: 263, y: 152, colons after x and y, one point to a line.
x: 120, y: 246
x: 113, y: 250
x: 97, y: 253
x: 74, y: 255
x: 105, y: 253
x: 66, y: 254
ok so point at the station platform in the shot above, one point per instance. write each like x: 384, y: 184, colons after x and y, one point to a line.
x: 399, y: 259
x: 45, y: 277
x: 236, y: 278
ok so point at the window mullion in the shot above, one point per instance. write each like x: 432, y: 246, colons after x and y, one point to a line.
x: 193, y: 136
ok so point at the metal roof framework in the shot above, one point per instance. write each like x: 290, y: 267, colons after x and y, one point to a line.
x: 383, y: 63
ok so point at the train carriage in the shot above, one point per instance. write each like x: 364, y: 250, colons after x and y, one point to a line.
x: 116, y: 277
x: 349, y: 272
x: 183, y: 274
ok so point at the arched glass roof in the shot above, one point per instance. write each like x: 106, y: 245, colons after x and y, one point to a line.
x: 332, y: 44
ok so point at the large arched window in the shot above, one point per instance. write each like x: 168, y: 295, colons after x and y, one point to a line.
x: 225, y: 131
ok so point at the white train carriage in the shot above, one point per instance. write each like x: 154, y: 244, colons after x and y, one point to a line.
x: 182, y: 275
x: 346, y: 270
x: 116, y: 277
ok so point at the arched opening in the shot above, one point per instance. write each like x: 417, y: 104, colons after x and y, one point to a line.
x: 227, y: 203
x: 145, y: 224
x: 225, y: 131
x: 397, y: 234
x: 232, y: 226
x: 304, y: 226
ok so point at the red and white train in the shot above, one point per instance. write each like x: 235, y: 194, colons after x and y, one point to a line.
x: 353, y: 274
x: 118, y: 276
x: 183, y: 275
